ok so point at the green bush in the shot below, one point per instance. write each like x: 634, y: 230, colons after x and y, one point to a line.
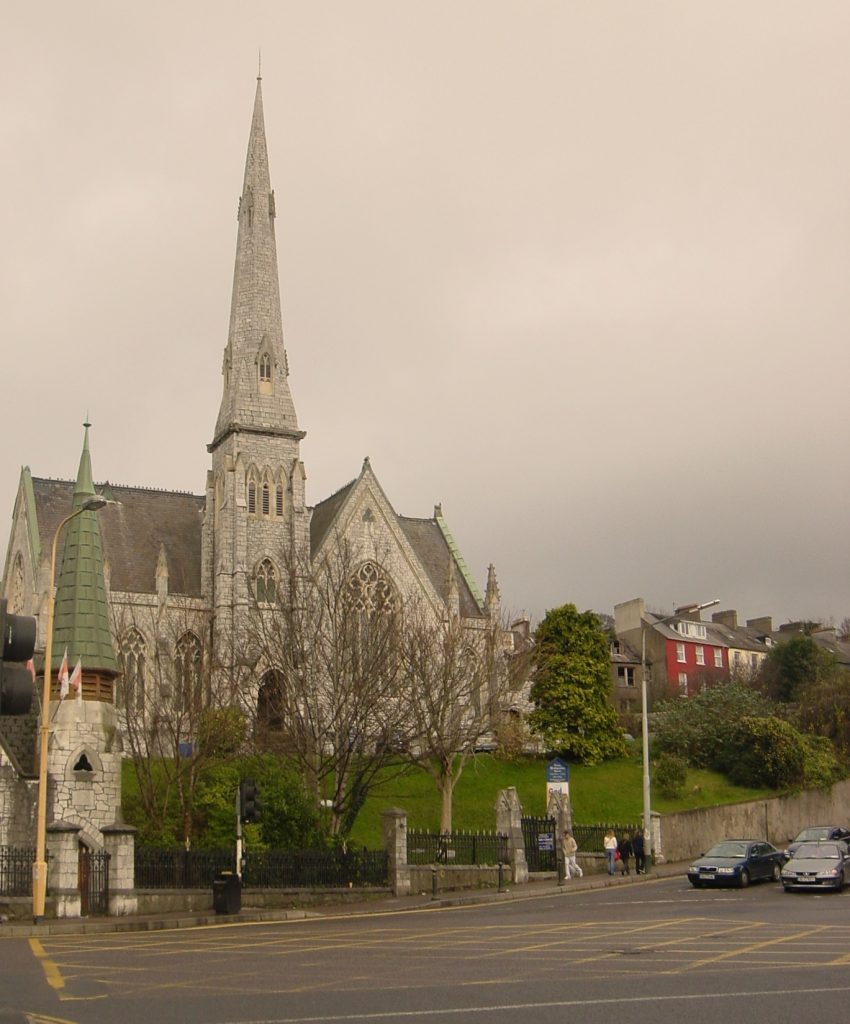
x: 765, y: 752
x: 670, y: 773
x: 698, y: 729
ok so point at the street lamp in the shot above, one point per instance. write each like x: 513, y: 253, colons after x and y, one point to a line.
x: 644, y: 718
x: 39, y: 869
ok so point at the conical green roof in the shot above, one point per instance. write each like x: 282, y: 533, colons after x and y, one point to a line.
x: 81, y: 612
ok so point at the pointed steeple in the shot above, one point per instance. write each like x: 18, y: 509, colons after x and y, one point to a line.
x: 256, y: 397
x: 81, y: 616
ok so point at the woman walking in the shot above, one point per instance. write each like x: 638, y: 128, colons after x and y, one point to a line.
x: 571, y: 868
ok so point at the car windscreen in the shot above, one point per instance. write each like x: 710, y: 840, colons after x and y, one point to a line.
x: 808, y: 834
x: 817, y: 851
x: 728, y: 850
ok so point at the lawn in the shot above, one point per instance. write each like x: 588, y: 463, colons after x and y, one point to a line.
x: 611, y: 792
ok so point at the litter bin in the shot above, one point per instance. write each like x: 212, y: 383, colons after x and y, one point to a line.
x: 227, y: 893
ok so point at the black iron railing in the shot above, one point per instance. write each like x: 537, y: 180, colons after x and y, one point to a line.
x: 456, y: 847
x: 317, y: 869
x: 266, y: 869
x: 590, y: 837
x: 158, y: 868
x: 16, y: 870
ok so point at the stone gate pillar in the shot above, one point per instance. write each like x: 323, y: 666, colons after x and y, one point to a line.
x: 119, y: 841
x: 394, y: 827
x: 63, y: 860
x: 509, y: 822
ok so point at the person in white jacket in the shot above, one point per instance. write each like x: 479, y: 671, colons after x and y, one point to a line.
x: 570, y: 846
x: 610, y: 844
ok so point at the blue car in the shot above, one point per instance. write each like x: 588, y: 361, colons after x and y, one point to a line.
x: 737, y: 862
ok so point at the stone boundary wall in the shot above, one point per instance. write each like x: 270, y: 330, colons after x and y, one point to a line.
x: 688, y: 834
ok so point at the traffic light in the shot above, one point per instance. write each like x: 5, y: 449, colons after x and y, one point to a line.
x: 16, y: 679
x: 249, y: 803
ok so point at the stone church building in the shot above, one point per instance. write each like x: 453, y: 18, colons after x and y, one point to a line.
x: 178, y: 569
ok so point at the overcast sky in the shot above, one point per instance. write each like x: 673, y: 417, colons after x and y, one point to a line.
x: 580, y: 271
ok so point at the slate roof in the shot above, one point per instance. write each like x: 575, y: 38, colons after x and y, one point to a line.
x: 427, y: 540
x: 324, y: 516
x: 133, y: 532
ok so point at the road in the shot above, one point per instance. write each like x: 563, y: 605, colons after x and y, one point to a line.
x: 650, y: 952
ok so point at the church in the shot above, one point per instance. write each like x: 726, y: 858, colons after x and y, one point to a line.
x: 173, y: 571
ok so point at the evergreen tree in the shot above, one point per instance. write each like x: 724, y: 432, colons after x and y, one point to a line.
x: 571, y: 692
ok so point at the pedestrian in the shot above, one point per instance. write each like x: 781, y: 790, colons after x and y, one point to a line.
x: 625, y: 850
x: 610, y: 844
x: 638, y: 848
x: 570, y: 846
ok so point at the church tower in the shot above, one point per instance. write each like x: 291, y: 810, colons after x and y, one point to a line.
x: 256, y: 522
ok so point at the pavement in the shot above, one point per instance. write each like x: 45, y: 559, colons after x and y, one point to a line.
x: 347, y: 906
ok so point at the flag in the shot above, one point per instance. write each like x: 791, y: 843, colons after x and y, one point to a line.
x: 63, y: 676
x: 76, y: 681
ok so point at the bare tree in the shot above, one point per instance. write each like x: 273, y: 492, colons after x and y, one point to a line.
x: 178, y: 709
x: 325, y: 641
x: 458, y: 683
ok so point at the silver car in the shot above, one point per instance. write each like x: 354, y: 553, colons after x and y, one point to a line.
x: 823, y: 865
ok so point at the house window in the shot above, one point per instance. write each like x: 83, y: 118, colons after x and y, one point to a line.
x: 700, y: 655
x: 718, y: 658
x: 683, y: 683
x: 680, y: 653
x: 625, y: 675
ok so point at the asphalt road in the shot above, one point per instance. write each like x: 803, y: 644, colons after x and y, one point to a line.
x: 655, y: 952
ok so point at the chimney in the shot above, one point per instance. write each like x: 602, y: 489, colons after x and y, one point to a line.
x: 728, y: 618
x: 762, y: 625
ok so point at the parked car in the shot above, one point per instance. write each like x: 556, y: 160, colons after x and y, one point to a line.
x: 737, y: 862
x: 816, y: 833
x: 824, y: 865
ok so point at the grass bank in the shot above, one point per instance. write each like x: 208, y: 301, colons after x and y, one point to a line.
x: 609, y: 792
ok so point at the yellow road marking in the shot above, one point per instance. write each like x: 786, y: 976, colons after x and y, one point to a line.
x: 51, y: 971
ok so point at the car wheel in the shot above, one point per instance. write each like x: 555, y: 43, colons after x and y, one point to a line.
x: 777, y: 872
x: 787, y: 888
x: 745, y: 879
x: 696, y: 884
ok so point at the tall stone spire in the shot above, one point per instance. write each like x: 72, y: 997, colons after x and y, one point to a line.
x: 81, y: 612
x: 256, y: 397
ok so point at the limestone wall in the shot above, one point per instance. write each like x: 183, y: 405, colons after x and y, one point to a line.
x: 689, y: 833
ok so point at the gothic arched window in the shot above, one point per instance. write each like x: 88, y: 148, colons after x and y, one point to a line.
x: 266, y: 580
x: 132, y: 691
x: 371, y: 591
x: 252, y: 498
x: 265, y: 368
x: 188, y: 664
x: 266, y: 500
x: 278, y: 502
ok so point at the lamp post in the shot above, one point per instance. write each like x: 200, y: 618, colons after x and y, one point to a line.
x: 39, y: 869
x: 644, y: 718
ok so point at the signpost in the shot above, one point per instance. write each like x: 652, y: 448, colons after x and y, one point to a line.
x: 557, y: 778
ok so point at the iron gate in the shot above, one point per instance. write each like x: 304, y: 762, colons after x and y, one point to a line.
x: 93, y: 880
x: 541, y: 843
